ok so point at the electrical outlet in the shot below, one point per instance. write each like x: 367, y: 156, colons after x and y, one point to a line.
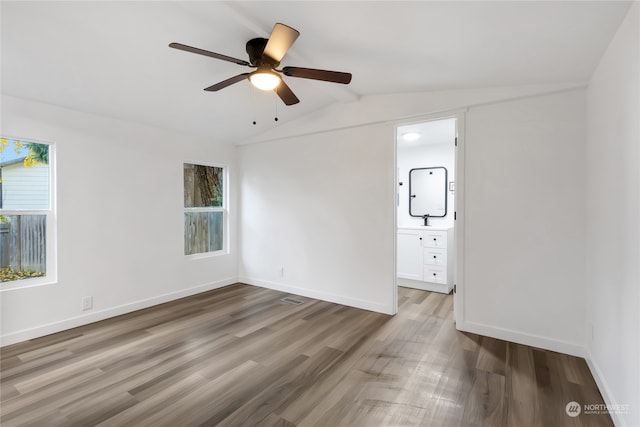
x: 87, y: 303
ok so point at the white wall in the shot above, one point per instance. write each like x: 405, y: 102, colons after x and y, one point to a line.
x: 525, y: 194
x: 524, y: 221
x: 424, y: 156
x: 406, y: 107
x: 328, y: 219
x: 120, y: 219
x: 322, y: 208
x: 613, y: 221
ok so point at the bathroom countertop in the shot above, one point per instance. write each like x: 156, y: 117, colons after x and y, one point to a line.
x: 423, y: 227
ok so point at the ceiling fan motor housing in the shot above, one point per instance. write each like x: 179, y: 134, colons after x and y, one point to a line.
x: 255, y: 49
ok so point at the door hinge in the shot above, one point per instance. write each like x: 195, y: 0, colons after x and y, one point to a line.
x: 455, y: 215
x: 456, y: 141
x: 454, y: 289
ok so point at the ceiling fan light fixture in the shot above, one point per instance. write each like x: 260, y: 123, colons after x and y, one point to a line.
x: 264, y: 79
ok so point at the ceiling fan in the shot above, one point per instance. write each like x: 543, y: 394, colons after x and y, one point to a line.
x: 265, y: 55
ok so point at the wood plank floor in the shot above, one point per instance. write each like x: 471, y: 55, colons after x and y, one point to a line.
x: 238, y: 356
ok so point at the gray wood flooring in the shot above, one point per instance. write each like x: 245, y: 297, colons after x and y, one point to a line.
x: 238, y: 356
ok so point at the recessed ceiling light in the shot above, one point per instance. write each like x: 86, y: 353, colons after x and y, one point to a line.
x: 411, y: 136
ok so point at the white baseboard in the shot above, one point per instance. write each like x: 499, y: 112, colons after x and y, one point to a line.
x: 338, y: 299
x: 73, y: 322
x: 523, y: 338
x: 604, y: 388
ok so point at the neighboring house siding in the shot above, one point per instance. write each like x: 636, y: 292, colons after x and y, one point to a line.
x: 25, y: 188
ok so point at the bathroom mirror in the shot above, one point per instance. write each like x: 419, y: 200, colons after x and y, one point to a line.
x: 428, y: 192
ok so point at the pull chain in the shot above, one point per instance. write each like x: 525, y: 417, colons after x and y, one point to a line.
x: 253, y: 103
x: 276, y: 100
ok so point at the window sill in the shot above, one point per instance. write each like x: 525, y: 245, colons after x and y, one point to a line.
x: 207, y: 255
x: 27, y: 283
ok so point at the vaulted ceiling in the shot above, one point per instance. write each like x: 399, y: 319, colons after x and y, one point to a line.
x: 112, y: 59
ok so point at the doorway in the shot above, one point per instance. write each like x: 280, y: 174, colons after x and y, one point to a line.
x: 428, y: 171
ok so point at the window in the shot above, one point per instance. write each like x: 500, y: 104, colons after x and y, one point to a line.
x: 26, y: 214
x: 204, y: 209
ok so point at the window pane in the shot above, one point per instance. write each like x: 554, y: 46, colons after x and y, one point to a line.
x: 202, y: 186
x: 202, y: 232
x: 24, y: 175
x: 22, y: 246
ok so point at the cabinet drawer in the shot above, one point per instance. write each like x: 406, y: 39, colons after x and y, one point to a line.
x: 434, y: 239
x: 435, y: 274
x: 435, y: 256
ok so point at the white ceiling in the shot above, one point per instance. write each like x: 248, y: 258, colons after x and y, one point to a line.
x: 111, y: 58
x: 431, y: 132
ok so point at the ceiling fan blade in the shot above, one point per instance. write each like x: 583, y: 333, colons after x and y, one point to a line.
x: 286, y: 94
x: 280, y: 40
x: 312, y: 73
x: 207, y: 53
x: 228, y: 82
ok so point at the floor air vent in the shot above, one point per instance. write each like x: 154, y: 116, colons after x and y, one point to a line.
x: 293, y: 301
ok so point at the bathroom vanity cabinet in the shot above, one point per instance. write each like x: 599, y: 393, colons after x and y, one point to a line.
x: 425, y: 258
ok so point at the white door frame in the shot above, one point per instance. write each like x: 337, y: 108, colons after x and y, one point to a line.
x: 458, y: 275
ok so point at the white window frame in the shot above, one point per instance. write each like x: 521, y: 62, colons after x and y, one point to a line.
x: 224, y: 209
x: 51, y: 276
